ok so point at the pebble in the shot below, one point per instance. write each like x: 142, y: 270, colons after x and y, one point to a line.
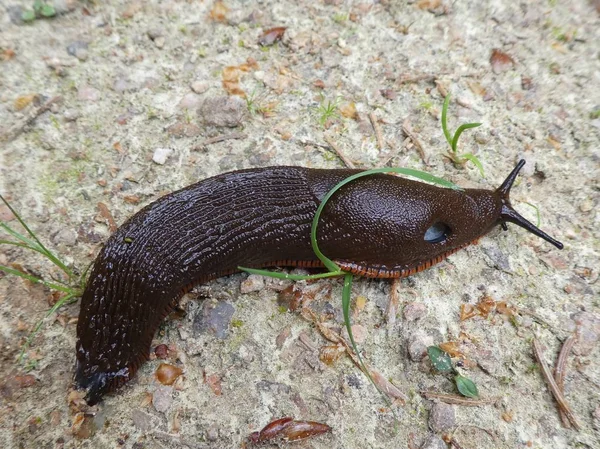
x: 442, y: 417
x: 498, y: 258
x: 190, y: 101
x: 142, y: 420
x: 199, y: 87
x: 434, y: 442
x: 588, y: 332
x: 223, y: 111
x: 254, y: 283
x: 71, y: 114
x: 162, y: 398
x: 417, y: 346
x: 15, y: 13
x: 121, y: 85
x: 161, y: 154
x: 160, y: 42
x: 212, y: 433
x: 528, y: 169
x: 77, y: 45
x: 586, y: 205
x: 66, y: 237
x: 214, y: 319
x: 414, y: 311
x: 88, y: 93
x: 155, y: 33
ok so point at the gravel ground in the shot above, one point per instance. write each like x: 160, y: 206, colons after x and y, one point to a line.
x: 109, y: 105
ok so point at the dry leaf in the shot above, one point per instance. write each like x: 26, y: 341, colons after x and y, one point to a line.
x: 348, y: 110
x: 270, y: 36
x: 500, y: 61
x: 219, y: 11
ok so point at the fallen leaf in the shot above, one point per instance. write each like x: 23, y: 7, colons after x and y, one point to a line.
x: 270, y: 36
x: 219, y: 11
x: 500, y: 61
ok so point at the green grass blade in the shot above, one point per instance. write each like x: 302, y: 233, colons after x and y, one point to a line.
x: 31, y: 243
x: 45, y: 250
x: 346, y: 294
x: 36, y: 280
x: 61, y: 302
x: 293, y: 277
x: 471, y: 157
x: 459, y: 131
x: 538, y: 217
x: 445, y: 122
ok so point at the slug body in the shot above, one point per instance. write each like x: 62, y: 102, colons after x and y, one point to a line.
x: 376, y: 226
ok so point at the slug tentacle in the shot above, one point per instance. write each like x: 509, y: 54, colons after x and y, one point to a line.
x: 378, y: 226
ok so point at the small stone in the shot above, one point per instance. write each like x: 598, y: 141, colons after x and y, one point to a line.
x: 212, y: 433
x: 190, y: 101
x: 15, y: 13
x: 586, y: 205
x: 65, y: 237
x: 155, y: 33
x: 81, y: 54
x: 199, y: 87
x: 162, y: 398
x: 142, y: 420
x: 64, y: 6
x: 588, y: 332
x: 223, y: 111
x: 254, y: 283
x: 71, y: 114
x: 77, y: 45
x: 498, y: 258
x: 442, y: 417
x: 161, y: 154
x: 214, y: 319
x: 88, y: 93
x: 121, y: 85
x: 417, y: 346
x: 434, y: 442
x: 414, y: 311
x: 160, y: 42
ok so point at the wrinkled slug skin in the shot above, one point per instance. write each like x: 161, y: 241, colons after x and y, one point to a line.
x: 374, y: 226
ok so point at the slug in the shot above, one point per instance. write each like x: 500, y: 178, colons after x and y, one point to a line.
x: 379, y: 226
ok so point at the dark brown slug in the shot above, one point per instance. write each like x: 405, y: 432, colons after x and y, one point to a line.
x: 380, y: 226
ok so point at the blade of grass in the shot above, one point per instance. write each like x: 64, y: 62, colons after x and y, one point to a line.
x: 36, y: 280
x: 47, y: 252
x: 61, y: 302
x: 538, y: 218
x: 471, y: 157
x: 444, y: 121
x: 459, y: 131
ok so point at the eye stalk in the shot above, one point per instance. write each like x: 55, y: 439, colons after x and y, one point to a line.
x: 437, y: 233
x: 508, y: 214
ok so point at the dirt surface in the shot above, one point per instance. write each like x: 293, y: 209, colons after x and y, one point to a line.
x: 139, y: 114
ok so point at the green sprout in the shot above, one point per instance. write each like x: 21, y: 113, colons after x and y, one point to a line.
x: 40, y: 9
x: 459, y: 159
x: 71, y: 288
x: 442, y: 363
x: 327, y: 110
x: 333, y: 269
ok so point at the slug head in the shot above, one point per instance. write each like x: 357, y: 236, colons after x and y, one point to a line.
x: 386, y: 226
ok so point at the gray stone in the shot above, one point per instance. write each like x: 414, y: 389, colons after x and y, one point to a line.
x: 15, y: 13
x: 162, y: 398
x: 417, y: 346
x: 254, y: 283
x: 71, y: 114
x: 161, y: 155
x: 142, y: 420
x: 442, y: 417
x: 433, y: 442
x: 223, y: 111
x: 77, y: 45
x: 214, y: 319
x: 414, y: 311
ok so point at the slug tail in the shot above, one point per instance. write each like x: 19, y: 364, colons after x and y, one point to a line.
x: 509, y: 214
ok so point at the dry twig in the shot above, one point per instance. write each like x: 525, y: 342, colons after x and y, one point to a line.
x: 407, y: 129
x: 347, y: 162
x: 560, y: 370
x: 457, y: 400
x: 105, y: 213
x: 220, y: 138
x: 556, y: 392
x: 377, y: 129
x: 18, y: 128
x: 392, y: 308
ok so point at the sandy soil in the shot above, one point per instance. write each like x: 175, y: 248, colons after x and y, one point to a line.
x: 136, y: 113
